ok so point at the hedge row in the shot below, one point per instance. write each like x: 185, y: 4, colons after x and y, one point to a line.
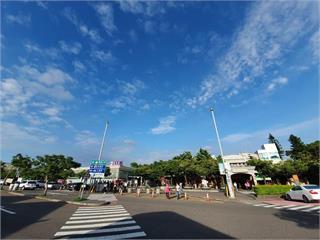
x: 271, y: 189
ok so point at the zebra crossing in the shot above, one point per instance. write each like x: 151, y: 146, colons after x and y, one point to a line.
x: 102, y: 222
x: 302, y: 208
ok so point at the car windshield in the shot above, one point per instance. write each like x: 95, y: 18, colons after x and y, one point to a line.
x: 312, y: 187
x: 32, y: 182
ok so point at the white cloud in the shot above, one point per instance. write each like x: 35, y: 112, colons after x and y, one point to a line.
x: 93, y: 34
x: 17, y: 139
x: 46, y: 52
x: 73, y: 48
x: 103, y: 56
x: 270, y: 30
x: 314, y: 45
x: 54, y: 76
x: 147, y: 8
x: 165, y: 125
x: 20, y: 18
x: 42, y: 4
x: 277, y: 82
x: 51, y: 111
x: 127, y: 92
x: 105, y: 13
x: 27, y: 83
x: 258, y: 136
x: 131, y: 88
x: 78, y: 66
x: 86, y: 139
x: 14, y: 98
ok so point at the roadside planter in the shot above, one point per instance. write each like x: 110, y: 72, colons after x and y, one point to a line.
x: 271, y: 189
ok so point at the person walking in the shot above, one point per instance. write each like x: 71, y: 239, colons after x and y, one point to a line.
x: 167, y: 191
x: 178, y: 191
x: 235, y: 186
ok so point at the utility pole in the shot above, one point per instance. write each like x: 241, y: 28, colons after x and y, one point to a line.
x: 226, y: 167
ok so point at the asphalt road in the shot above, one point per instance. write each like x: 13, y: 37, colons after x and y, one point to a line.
x: 161, y: 218
x: 157, y: 218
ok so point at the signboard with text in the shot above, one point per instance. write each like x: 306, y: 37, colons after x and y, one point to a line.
x: 97, y: 168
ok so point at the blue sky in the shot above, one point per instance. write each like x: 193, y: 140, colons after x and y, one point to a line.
x: 153, y: 70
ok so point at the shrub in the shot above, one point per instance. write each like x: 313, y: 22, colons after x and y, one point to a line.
x: 271, y: 189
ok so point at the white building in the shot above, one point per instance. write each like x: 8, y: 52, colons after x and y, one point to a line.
x: 269, y: 152
x: 118, y: 171
x: 239, y: 170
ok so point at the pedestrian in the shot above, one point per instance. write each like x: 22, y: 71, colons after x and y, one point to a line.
x: 178, y: 191
x: 167, y: 191
x: 235, y: 186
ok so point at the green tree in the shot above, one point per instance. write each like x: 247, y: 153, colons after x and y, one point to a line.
x: 272, y: 139
x: 298, y: 149
x: 23, y: 164
x: 263, y: 167
x: 53, y: 167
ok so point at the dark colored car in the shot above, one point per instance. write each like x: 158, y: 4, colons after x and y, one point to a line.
x: 76, y: 186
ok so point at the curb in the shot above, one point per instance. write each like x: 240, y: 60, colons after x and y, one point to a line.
x: 58, y: 200
x: 15, y: 193
x: 86, y: 204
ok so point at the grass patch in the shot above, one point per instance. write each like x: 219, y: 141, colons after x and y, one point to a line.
x: 78, y: 199
x: 271, y: 189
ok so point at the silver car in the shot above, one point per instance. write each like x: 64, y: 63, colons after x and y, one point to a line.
x: 306, y: 193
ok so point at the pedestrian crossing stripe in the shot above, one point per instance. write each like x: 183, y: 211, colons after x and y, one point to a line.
x: 100, y: 216
x: 98, y: 220
x: 107, y: 230
x: 117, y: 236
x: 99, y: 210
x: 303, y: 208
x: 98, y: 225
x: 95, y: 225
x: 299, y: 207
x: 311, y: 209
x: 98, y: 213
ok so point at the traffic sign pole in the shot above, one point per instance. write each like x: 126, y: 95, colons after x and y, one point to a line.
x: 103, y: 139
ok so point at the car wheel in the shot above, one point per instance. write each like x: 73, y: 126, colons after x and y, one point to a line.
x: 305, y: 199
x: 288, y: 197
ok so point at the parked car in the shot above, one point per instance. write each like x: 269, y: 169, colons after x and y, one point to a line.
x: 40, y: 184
x: 306, y: 193
x: 53, y: 185
x: 27, y: 184
x: 76, y: 186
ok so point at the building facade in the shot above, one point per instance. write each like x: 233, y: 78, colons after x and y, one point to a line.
x: 118, y: 171
x: 269, y: 152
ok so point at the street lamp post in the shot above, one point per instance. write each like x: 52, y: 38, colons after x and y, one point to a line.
x: 103, y: 139
x: 227, y: 169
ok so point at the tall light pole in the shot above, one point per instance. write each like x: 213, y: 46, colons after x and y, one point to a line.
x: 103, y: 139
x: 226, y: 167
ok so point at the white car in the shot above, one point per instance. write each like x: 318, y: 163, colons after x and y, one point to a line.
x: 28, y: 185
x: 306, y: 193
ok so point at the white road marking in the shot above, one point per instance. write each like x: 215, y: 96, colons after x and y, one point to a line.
x: 107, y: 230
x: 260, y: 205
x: 104, y: 207
x: 96, y: 225
x: 270, y: 206
x: 311, y: 209
x: 102, y: 216
x: 7, y: 211
x: 98, y: 213
x: 285, y: 206
x: 101, y: 210
x: 99, y: 220
x: 299, y: 207
x: 118, y: 236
